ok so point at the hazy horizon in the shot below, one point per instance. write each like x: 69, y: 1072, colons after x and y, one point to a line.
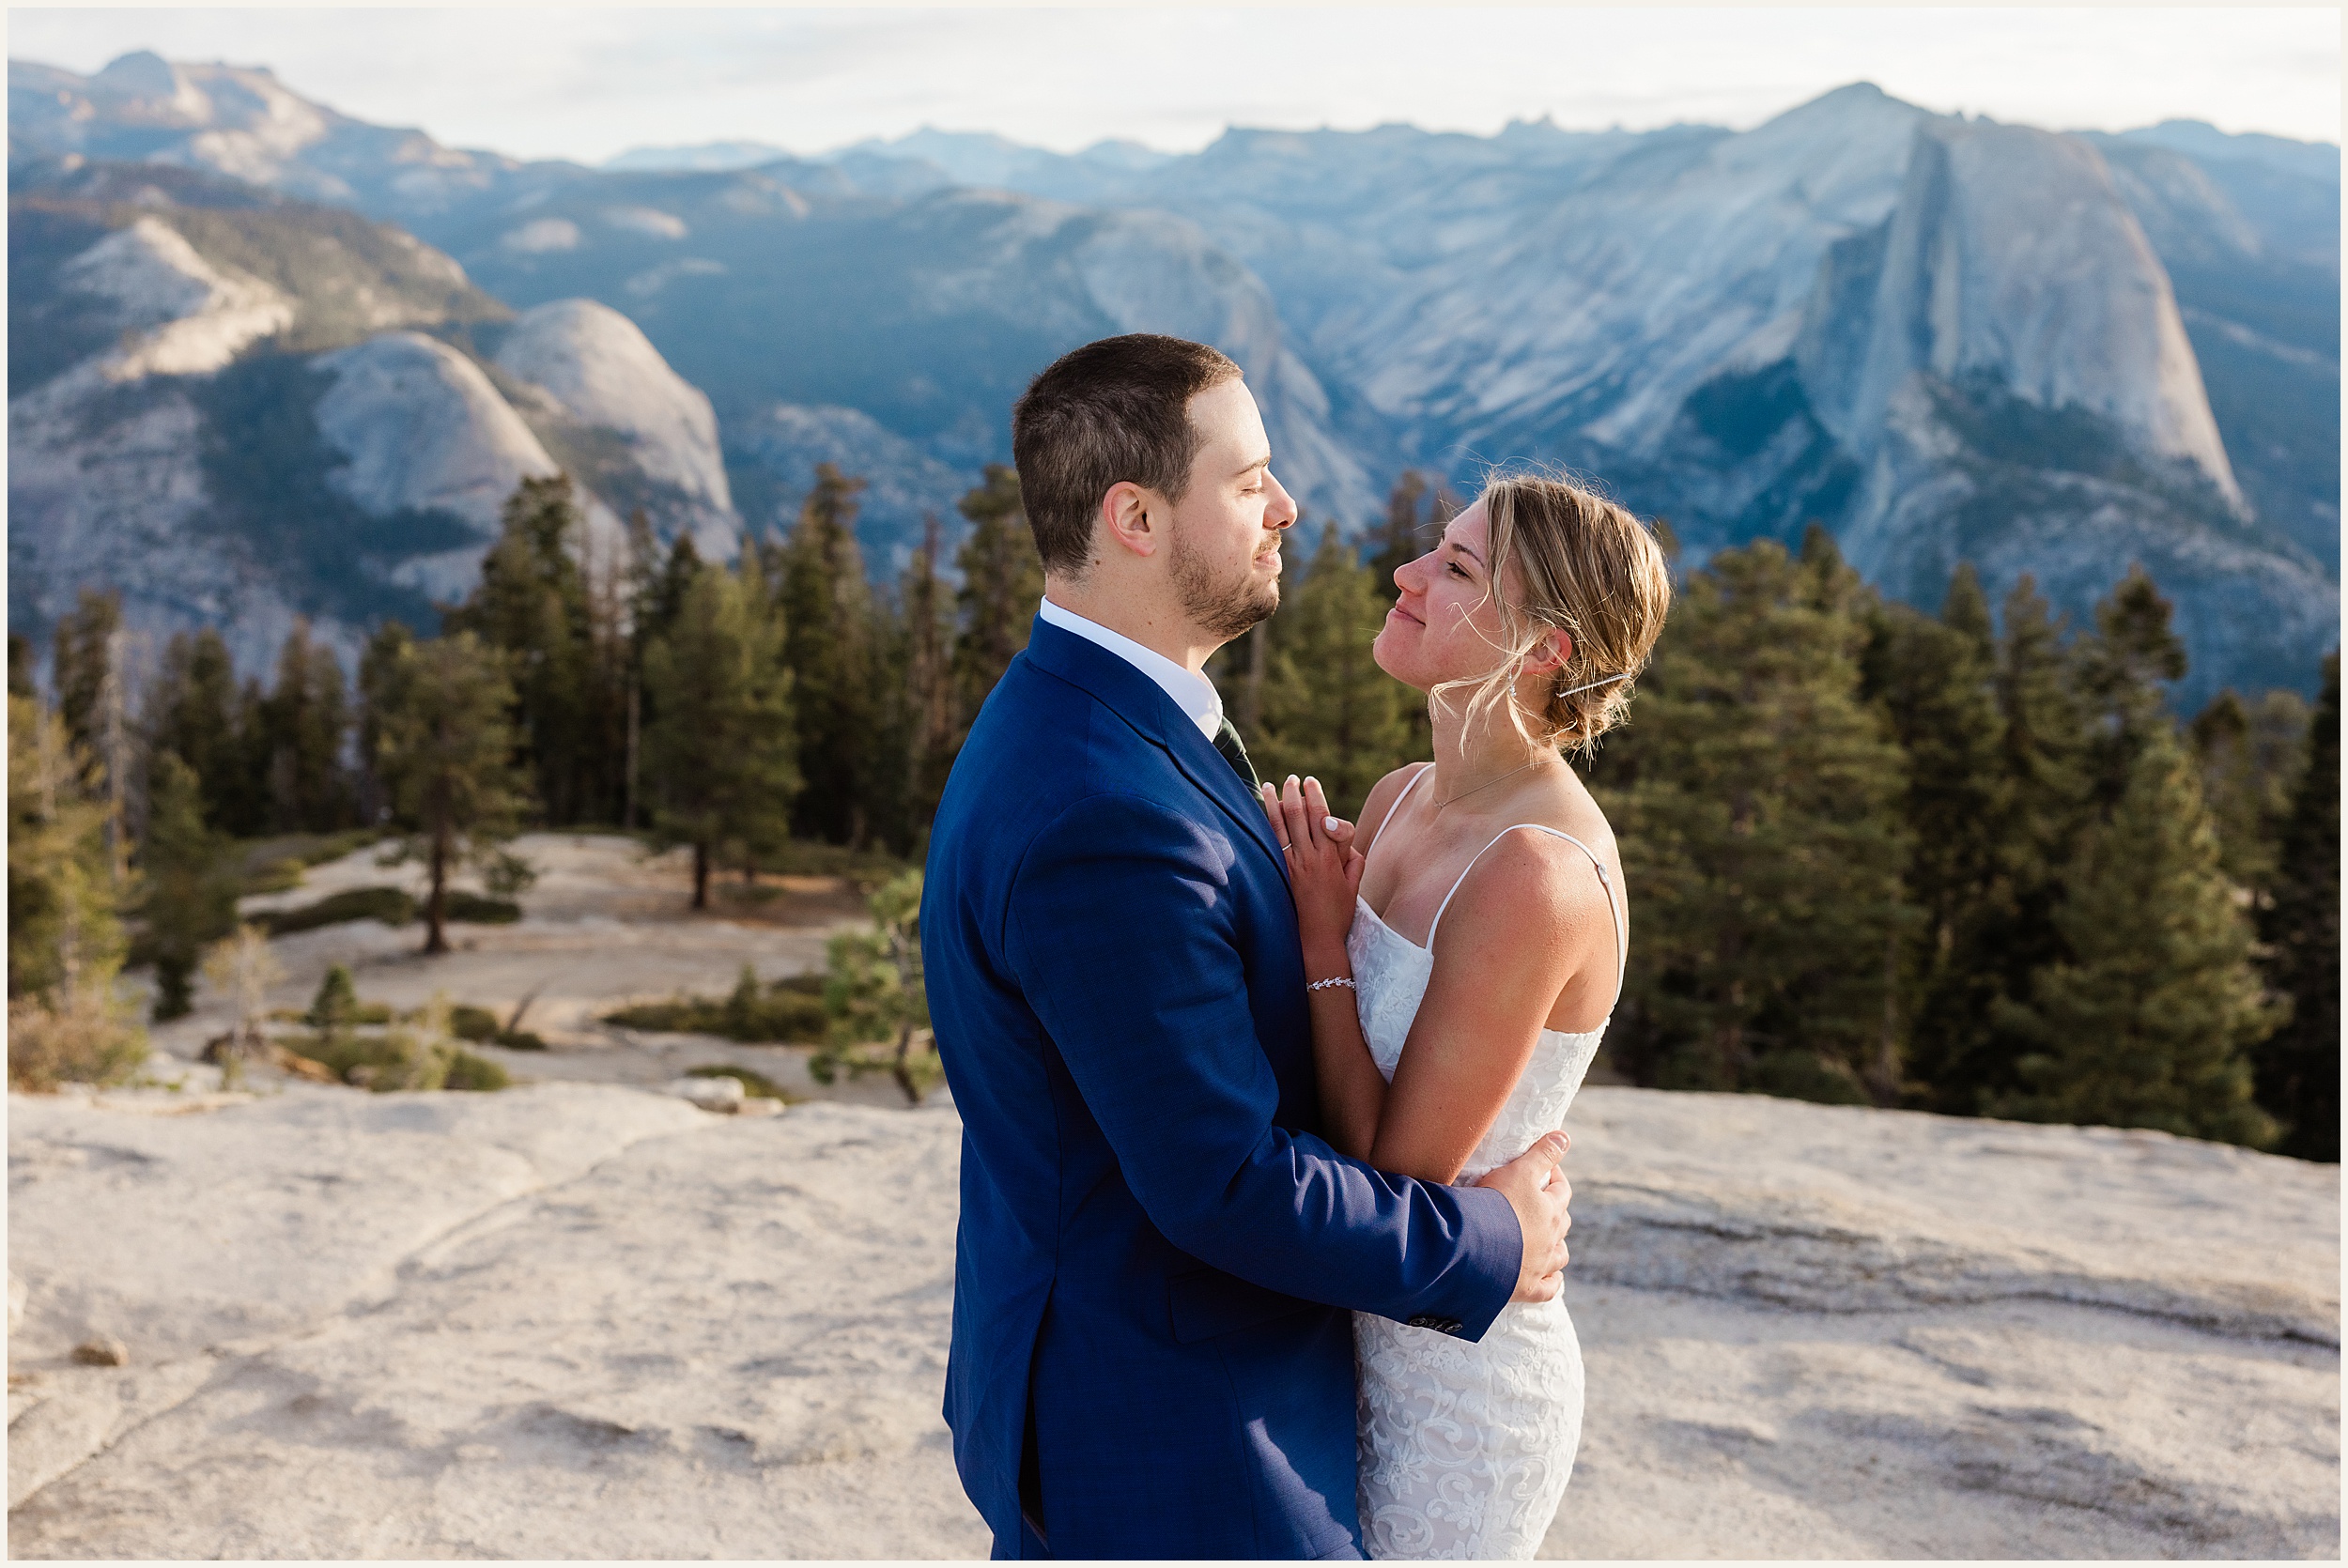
x: 589, y: 86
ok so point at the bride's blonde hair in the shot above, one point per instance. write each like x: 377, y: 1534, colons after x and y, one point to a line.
x: 1578, y: 564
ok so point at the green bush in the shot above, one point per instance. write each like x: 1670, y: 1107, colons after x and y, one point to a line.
x: 391, y: 905
x: 755, y: 1085
x: 789, y: 1011
x: 802, y: 857
x: 87, y: 1038
x: 275, y: 865
x: 468, y: 1072
x: 398, y: 1058
x: 1806, y: 1075
x: 388, y: 904
x: 475, y: 910
x: 282, y: 875
x: 480, y: 1027
x: 471, y: 1023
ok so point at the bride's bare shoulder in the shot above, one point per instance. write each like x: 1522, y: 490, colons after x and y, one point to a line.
x: 1569, y: 807
x: 1382, y: 795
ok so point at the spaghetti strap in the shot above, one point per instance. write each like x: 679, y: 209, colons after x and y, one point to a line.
x: 1424, y: 768
x: 1622, y: 953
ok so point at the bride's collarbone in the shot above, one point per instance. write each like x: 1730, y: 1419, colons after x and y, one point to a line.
x: 1412, y: 860
x: 1407, y: 881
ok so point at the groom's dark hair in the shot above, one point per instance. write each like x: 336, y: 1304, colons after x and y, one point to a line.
x: 1110, y: 412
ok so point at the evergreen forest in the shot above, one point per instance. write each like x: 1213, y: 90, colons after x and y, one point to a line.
x: 1969, y: 862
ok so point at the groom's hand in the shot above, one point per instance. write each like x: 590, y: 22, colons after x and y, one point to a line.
x: 1539, y: 1192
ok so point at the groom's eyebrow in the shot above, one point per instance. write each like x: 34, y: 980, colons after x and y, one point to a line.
x: 1263, y: 462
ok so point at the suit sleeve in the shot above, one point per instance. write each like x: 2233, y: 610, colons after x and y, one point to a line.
x: 1121, y: 932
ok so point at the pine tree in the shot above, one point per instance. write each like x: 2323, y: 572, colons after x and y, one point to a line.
x: 93, y: 702
x: 190, y: 896
x: 254, y: 757
x: 720, y: 750
x: 664, y: 591
x: 303, y: 725
x: 925, y: 665
x: 2151, y: 1020
x: 84, y: 666
x: 20, y: 666
x: 830, y: 648
x: 1406, y: 535
x: 613, y: 654
x: 61, y: 908
x: 1758, y: 805
x: 1935, y: 683
x: 192, y: 712
x: 1002, y: 582
x: 334, y: 1005
x: 1402, y: 539
x: 2124, y: 671
x: 1329, y: 712
x: 2249, y: 759
x: 2298, y: 1067
x: 874, y: 994
x: 532, y: 603
x: 2045, y: 748
x: 65, y: 936
x: 444, y: 747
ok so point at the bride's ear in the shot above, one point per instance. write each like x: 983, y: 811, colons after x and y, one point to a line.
x: 1553, y: 651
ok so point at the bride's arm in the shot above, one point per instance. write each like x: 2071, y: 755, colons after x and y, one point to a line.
x: 1504, y: 955
x: 1325, y: 874
x: 1518, y: 934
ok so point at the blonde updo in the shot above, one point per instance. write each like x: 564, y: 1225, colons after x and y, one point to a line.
x: 1574, y: 561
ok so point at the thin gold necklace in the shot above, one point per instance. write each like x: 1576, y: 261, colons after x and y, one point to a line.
x: 1486, y: 784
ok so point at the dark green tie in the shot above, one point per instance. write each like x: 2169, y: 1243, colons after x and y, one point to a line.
x: 1234, y: 751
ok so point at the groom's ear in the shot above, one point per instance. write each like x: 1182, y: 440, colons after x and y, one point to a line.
x: 1132, y: 518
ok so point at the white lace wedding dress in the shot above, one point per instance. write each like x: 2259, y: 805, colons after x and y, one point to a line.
x: 1466, y: 1446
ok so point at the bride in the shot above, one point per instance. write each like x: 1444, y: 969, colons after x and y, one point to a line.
x: 1464, y: 960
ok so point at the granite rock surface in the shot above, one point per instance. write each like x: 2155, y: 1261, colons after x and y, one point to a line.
x: 588, y: 1320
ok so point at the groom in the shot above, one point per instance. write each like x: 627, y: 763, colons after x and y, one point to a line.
x: 1152, y: 1351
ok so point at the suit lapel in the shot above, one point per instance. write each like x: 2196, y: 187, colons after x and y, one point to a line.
x: 1143, y: 704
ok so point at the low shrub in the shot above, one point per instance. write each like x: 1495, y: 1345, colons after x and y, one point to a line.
x: 480, y: 1027
x: 755, y: 1085
x: 472, y: 909
x: 88, y: 1041
x: 800, y: 857
x: 389, y: 905
x: 468, y: 1022
x: 1791, y: 1074
x: 275, y: 865
x: 789, y: 1011
x: 393, y: 906
x: 471, y: 1072
x: 398, y: 1058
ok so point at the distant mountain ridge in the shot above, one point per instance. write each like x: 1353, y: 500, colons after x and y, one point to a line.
x: 239, y: 408
x: 1945, y: 338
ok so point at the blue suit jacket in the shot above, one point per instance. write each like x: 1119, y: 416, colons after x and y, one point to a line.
x: 1155, y: 1249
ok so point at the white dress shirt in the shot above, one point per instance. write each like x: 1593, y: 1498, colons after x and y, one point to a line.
x: 1192, y: 692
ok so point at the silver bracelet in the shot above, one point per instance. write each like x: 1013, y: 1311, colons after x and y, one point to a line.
x: 1345, y: 980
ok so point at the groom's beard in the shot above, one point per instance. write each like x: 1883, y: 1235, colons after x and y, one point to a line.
x: 1223, y: 607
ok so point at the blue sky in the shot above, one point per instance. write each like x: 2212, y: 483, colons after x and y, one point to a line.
x: 589, y: 83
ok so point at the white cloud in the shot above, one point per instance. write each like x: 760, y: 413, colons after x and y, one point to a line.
x: 587, y: 83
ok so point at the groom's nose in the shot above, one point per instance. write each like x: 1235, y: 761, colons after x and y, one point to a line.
x: 1280, y: 512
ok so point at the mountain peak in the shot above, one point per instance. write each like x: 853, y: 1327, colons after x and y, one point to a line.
x: 160, y: 89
